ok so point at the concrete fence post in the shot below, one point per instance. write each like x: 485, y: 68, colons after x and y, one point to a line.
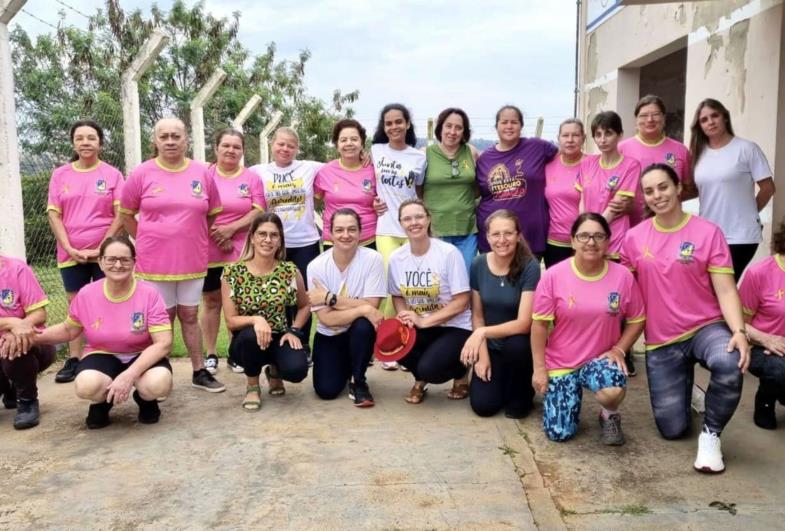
x: 430, y: 132
x: 197, y: 112
x: 12, y: 228
x: 246, y: 111
x: 264, y: 144
x: 539, y: 126
x: 129, y: 94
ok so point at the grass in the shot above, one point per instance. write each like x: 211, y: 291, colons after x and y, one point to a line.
x: 506, y: 450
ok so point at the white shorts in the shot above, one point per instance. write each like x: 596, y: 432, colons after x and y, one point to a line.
x: 179, y: 292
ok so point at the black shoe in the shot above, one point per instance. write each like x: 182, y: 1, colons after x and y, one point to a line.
x: 98, y: 415
x: 764, y: 416
x: 516, y: 413
x: 630, y: 364
x: 68, y: 372
x: 202, y: 379
x: 149, y: 412
x: 9, y: 398
x: 237, y: 369
x: 26, y: 414
x: 361, y: 395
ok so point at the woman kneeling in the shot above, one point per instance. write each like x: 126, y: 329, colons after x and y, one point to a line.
x: 586, y: 299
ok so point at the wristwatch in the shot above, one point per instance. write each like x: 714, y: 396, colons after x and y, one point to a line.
x: 297, y: 331
x: 333, y: 300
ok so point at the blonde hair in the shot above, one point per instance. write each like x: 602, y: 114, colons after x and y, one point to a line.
x: 287, y: 131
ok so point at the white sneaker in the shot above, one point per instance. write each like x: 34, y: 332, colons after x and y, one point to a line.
x: 698, y: 401
x: 709, y: 458
x: 211, y: 364
x: 390, y: 365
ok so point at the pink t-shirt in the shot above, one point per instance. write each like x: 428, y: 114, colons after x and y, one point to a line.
x: 85, y: 199
x: 599, y: 185
x: 587, y: 312
x: 673, y: 269
x: 563, y: 199
x: 667, y: 151
x: 762, y: 292
x: 171, y: 238
x: 119, y: 326
x: 20, y: 292
x: 343, y: 188
x: 239, y: 194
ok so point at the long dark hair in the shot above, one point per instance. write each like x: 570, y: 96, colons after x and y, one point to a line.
x: 264, y: 217
x: 522, y: 250
x: 85, y: 123
x: 699, y: 140
x: 380, y: 137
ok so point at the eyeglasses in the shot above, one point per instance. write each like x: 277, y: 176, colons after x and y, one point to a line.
x: 454, y: 169
x: 416, y: 217
x: 653, y: 115
x: 499, y: 235
x: 124, y: 261
x: 273, y: 236
x: 584, y: 237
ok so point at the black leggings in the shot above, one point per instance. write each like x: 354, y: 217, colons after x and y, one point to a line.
x: 741, y: 254
x: 555, y: 254
x: 338, y: 357
x: 291, y: 363
x: 510, y: 386
x: 301, y: 257
x: 436, y: 355
x: 23, y: 371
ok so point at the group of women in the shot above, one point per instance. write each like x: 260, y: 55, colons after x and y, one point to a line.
x: 407, y: 224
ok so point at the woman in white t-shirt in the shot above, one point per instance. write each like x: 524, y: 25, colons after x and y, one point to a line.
x: 430, y: 289
x: 726, y: 169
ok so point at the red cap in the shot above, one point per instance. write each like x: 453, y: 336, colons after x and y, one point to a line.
x: 394, y: 340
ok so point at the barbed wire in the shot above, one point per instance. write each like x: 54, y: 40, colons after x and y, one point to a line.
x: 42, y: 21
x: 72, y: 8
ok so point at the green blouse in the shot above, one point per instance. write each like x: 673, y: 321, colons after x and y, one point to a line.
x: 449, y: 191
x: 265, y: 295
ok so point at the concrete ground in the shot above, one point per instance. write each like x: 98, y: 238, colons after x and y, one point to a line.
x: 302, y: 463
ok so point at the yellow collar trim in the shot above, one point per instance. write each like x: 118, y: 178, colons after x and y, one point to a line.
x: 589, y: 278
x: 678, y: 227
x: 237, y: 172
x: 121, y: 298
x: 569, y: 164
x: 780, y: 261
x: 349, y: 168
x: 179, y: 169
x: 651, y: 144
x: 604, y: 167
x: 85, y: 170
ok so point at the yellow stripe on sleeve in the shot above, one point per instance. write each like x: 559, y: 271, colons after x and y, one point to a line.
x: 543, y: 317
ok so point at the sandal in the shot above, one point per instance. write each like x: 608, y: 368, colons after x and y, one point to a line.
x: 459, y: 391
x: 416, y: 394
x: 251, y: 404
x: 275, y: 383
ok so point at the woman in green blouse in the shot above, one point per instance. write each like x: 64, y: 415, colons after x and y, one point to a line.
x: 256, y: 291
x: 450, y: 189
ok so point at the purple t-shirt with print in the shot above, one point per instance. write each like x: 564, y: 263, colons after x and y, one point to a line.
x: 515, y: 180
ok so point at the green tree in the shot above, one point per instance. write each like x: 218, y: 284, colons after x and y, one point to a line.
x: 75, y: 73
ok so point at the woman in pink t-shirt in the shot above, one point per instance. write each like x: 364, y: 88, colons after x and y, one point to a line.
x: 242, y: 197
x: 684, y: 270
x: 348, y: 183
x: 762, y: 292
x: 82, y: 208
x: 127, y: 334
x: 563, y: 198
x: 587, y: 313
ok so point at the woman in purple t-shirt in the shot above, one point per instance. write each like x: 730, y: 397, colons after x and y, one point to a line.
x: 511, y: 175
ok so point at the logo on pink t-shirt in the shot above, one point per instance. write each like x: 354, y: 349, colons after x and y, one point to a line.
x: 7, y: 298
x: 196, y: 188
x: 137, y: 322
x: 686, y: 252
x: 614, y: 302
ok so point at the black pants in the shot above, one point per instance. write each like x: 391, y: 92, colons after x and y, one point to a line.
x: 555, y: 254
x: 23, y: 371
x: 338, y: 357
x: 770, y: 370
x: 741, y: 254
x: 291, y: 363
x: 302, y: 256
x: 436, y: 355
x: 510, y: 386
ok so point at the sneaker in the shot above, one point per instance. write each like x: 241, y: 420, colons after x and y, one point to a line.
x: 9, y: 398
x: 68, y: 372
x: 26, y: 414
x: 361, y: 395
x: 211, y: 363
x: 764, y: 416
x: 698, y: 400
x: 630, y: 362
x: 202, y: 379
x: 235, y: 368
x: 98, y: 415
x: 390, y: 365
x: 709, y: 458
x: 611, y: 430
x: 149, y: 412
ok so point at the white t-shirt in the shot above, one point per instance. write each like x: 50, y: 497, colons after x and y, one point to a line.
x: 289, y: 193
x: 364, y: 277
x: 397, y: 174
x: 429, y: 282
x: 726, y: 180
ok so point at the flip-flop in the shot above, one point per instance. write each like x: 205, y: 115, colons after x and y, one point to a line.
x: 277, y: 388
x: 250, y: 404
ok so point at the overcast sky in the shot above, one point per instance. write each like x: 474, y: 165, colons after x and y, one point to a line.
x: 427, y: 55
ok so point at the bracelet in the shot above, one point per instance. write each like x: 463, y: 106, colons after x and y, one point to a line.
x: 619, y: 349
x: 298, y: 332
x: 326, y: 296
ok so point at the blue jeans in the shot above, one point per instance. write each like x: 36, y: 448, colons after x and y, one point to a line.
x: 670, y: 371
x: 467, y: 245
